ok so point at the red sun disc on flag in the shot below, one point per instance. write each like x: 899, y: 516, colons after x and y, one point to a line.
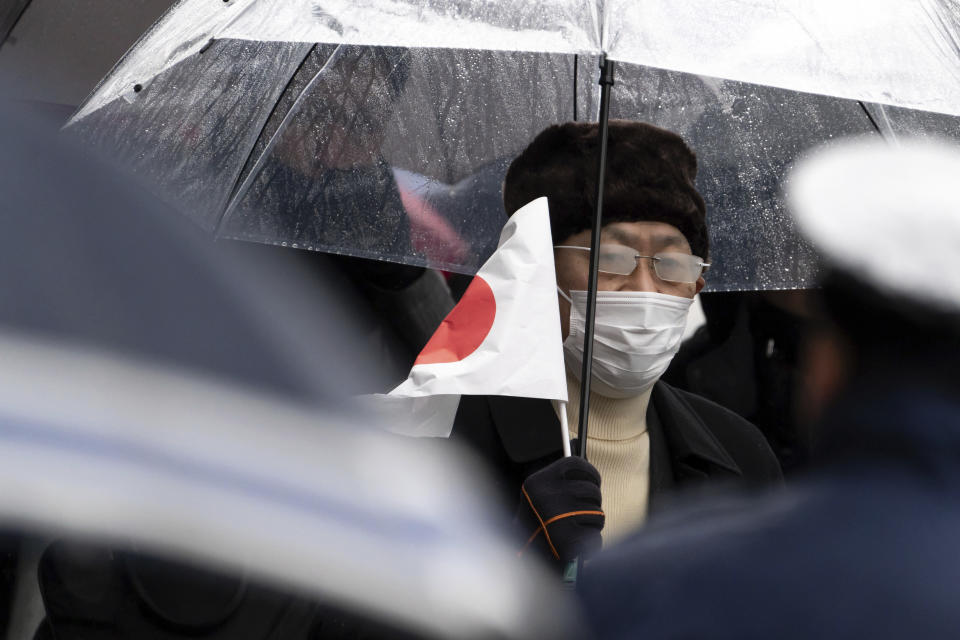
x: 465, y: 328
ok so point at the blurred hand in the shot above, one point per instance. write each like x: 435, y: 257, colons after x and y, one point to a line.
x: 560, y: 510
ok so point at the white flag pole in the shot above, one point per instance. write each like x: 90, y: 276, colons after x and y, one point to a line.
x: 573, y: 567
x: 564, y: 429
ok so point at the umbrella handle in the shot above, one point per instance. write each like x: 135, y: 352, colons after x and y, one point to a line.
x: 570, y: 573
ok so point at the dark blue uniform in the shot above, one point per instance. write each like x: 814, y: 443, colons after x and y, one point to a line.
x: 866, y: 546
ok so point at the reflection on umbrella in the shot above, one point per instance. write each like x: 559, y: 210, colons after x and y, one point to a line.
x: 215, y: 100
x: 161, y: 394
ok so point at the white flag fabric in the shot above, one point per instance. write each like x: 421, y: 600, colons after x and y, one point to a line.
x: 503, y: 337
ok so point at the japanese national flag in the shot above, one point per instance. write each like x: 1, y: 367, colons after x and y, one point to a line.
x: 502, y: 338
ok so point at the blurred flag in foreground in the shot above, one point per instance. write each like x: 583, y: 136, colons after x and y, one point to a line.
x: 502, y: 338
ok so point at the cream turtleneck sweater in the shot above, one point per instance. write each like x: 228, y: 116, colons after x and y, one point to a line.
x: 618, y: 445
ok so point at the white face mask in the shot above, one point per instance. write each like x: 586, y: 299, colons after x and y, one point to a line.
x: 636, y: 335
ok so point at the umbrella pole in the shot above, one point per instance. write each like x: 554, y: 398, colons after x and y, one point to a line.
x: 573, y: 568
x: 606, y: 82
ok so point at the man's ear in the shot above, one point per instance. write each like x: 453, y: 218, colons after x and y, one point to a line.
x: 701, y: 283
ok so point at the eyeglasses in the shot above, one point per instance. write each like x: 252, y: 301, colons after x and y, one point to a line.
x: 671, y: 267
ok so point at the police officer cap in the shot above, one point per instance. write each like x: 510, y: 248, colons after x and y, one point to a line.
x: 886, y: 214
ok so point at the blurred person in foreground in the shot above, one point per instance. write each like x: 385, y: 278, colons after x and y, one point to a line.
x: 647, y: 440
x: 865, y: 545
x: 175, y: 442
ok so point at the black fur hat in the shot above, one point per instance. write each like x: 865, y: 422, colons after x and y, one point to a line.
x: 650, y: 178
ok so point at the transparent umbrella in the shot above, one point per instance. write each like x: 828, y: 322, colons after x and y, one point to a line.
x: 382, y: 129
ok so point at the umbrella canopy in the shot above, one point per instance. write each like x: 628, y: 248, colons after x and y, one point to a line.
x: 888, y: 51
x: 264, y: 135
x: 159, y: 392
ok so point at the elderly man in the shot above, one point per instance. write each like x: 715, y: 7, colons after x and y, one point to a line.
x: 865, y: 546
x: 647, y: 440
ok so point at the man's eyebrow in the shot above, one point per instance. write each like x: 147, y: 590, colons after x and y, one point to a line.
x: 659, y: 240
x: 618, y: 235
x: 669, y: 240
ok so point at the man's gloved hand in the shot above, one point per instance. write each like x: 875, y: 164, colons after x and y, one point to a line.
x: 560, y: 510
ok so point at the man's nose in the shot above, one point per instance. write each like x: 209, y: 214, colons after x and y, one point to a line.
x: 643, y: 277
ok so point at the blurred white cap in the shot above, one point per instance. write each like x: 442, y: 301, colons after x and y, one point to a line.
x: 887, y: 215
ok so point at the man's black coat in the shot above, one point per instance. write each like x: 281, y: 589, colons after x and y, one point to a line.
x: 694, y: 443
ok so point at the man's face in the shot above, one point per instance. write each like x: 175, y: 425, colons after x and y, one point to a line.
x: 646, y: 238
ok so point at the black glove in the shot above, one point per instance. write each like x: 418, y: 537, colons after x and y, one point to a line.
x: 560, y: 510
